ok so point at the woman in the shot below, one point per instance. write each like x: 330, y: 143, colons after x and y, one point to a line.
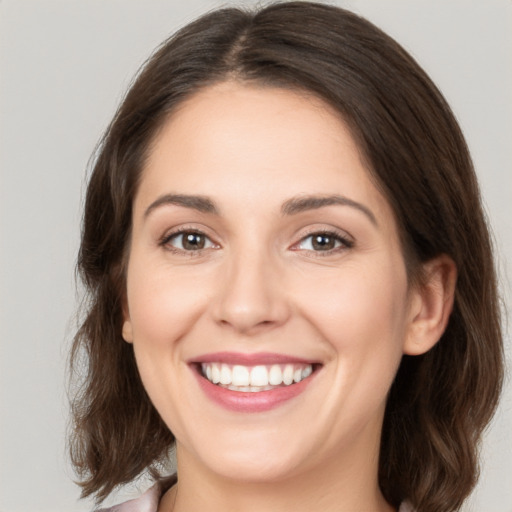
x: 290, y: 277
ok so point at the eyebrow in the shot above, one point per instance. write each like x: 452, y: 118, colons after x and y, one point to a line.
x: 200, y: 203
x: 300, y: 204
x: 292, y: 206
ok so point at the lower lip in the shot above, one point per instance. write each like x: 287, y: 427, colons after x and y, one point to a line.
x: 258, y: 401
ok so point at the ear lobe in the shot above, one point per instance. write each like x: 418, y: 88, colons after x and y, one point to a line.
x: 127, y: 331
x: 431, y: 305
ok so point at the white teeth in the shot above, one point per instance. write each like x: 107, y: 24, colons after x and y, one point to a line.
x: 240, y: 376
x: 259, y: 376
x: 215, y: 373
x: 275, y: 375
x: 225, y: 374
x: 288, y: 374
x: 239, y: 388
x: 255, y: 378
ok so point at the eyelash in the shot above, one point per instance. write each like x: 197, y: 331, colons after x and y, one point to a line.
x: 344, y: 242
x: 168, y: 237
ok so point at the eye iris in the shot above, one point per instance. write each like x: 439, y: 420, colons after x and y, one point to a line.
x: 323, y: 242
x: 193, y: 241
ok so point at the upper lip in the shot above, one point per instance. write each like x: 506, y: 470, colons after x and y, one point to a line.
x: 244, y: 359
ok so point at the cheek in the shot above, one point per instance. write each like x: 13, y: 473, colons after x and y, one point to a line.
x: 362, y: 320
x: 362, y: 311
x: 163, y: 305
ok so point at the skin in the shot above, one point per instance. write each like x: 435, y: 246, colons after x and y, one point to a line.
x: 260, y: 286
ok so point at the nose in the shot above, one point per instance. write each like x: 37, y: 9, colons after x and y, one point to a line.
x: 251, y: 297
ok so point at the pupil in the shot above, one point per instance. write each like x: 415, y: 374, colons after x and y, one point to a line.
x: 193, y: 241
x: 323, y: 242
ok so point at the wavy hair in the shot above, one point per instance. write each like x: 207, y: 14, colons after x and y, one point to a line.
x: 441, y: 401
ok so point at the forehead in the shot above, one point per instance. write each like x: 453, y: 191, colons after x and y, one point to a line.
x: 247, y: 142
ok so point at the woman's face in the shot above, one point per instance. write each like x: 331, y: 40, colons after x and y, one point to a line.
x: 263, y: 256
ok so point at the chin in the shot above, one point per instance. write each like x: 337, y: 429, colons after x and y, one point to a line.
x: 251, y: 457
x: 256, y: 468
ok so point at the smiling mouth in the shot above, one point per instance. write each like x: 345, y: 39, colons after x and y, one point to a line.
x: 256, y: 378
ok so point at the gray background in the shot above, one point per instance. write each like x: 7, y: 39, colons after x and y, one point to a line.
x: 64, y: 66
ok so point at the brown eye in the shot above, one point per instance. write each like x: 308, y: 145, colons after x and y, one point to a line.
x: 193, y: 241
x: 188, y: 241
x: 324, y: 242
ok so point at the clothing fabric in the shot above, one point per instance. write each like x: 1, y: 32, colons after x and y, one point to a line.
x: 148, y: 502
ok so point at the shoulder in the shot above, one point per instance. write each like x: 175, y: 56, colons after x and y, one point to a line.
x: 405, y: 507
x: 147, y: 502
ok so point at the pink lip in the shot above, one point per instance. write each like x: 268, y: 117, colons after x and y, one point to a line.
x: 240, y: 401
x: 258, y: 358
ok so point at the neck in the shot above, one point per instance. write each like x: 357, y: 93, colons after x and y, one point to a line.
x: 330, y: 487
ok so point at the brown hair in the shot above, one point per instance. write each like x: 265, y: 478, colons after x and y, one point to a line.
x: 440, y: 402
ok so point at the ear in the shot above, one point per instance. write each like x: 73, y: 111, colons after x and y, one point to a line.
x: 431, y: 304
x: 127, y: 331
